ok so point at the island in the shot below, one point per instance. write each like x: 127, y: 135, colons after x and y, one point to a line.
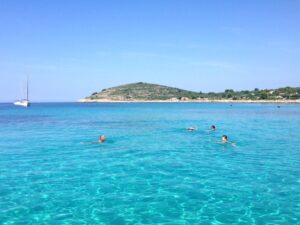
x: 146, y: 92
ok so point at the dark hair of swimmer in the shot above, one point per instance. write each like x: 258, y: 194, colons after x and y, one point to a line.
x: 213, y: 127
x: 224, y: 138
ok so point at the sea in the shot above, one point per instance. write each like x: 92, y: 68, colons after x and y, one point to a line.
x: 150, y: 169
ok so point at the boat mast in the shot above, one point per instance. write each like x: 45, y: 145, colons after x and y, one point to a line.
x: 27, y: 90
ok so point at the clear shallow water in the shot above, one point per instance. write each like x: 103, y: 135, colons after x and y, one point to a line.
x: 150, y: 170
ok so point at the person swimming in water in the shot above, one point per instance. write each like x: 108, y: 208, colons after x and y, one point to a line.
x: 224, y: 139
x: 191, y: 129
x: 213, y: 128
x: 102, y: 139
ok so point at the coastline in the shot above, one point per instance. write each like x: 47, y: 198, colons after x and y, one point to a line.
x: 191, y: 101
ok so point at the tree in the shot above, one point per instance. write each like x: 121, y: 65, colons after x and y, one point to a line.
x: 229, y: 91
x: 263, y: 95
x: 229, y: 95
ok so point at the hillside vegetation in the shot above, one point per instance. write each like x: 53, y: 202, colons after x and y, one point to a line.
x: 151, y: 92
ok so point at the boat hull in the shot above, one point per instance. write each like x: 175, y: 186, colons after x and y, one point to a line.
x: 22, y: 103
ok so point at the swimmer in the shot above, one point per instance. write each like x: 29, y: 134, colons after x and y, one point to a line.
x: 224, y: 139
x: 191, y: 128
x: 102, y: 139
x: 213, y: 128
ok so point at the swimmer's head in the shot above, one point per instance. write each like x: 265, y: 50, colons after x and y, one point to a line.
x: 213, y: 127
x: 224, y: 138
x: 102, y: 138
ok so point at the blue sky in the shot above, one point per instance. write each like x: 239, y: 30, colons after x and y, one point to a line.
x: 72, y: 48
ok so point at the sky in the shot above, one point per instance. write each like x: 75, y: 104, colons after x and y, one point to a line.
x: 72, y: 48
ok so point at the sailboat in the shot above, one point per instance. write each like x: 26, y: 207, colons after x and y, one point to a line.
x: 24, y: 102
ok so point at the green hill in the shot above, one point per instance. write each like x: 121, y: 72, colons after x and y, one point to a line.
x: 151, y: 92
x: 142, y: 91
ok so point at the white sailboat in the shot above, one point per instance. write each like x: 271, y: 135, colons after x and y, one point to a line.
x: 24, y: 102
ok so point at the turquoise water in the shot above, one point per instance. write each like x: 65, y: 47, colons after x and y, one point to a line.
x: 150, y: 170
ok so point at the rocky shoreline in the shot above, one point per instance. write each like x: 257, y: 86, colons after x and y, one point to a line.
x: 190, y: 101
